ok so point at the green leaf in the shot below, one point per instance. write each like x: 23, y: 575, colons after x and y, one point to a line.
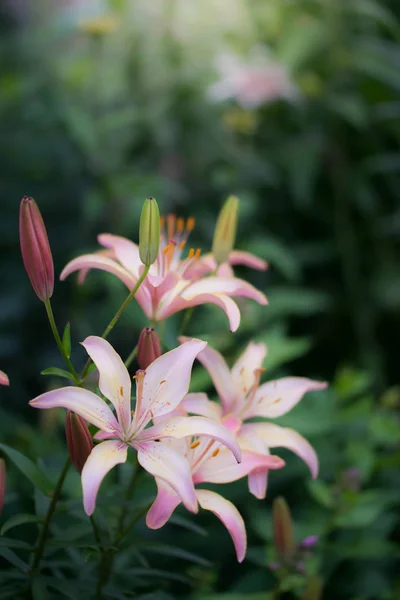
x: 58, y: 372
x: 66, y: 340
x: 321, y: 492
x: 39, y: 588
x: 20, y: 519
x: 180, y: 553
x: 13, y: 559
x: 11, y: 543
x: 29, y: 469
x: 187, y: 524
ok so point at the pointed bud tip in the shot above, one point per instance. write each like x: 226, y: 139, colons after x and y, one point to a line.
x: 149, y: 347
x: 79, y: 440
x: 283, y: 529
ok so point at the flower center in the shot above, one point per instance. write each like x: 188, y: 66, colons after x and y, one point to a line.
x: 174, y: 235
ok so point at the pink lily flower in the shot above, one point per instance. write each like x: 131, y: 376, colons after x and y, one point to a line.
x: 243, y: 398
x: 159, y: 390
x: 172, y: 283
x: 4, y: 379
x: 211, y: 463
x: 207, y: 264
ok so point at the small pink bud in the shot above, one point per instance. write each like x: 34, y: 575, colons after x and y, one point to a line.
x: 283, y: 529
x: 149, y: 347
x: 2, y: 483
x: 79, y: 440
x: 35, y: 249
x: 309, y: 542
x: 4, y: 379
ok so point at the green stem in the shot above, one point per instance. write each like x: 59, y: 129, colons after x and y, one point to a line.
x: 96, y: 533
x: 128, y: 493
x: 49, y: 515
x: 54, y: 329
x: 186, y: 319
x: 131, y: 357
x: 132, y: 523
x: 118, y: 314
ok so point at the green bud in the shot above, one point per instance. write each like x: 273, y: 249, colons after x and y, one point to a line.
x: 149, y: 232
x: 225, y: 230
x: 283, y: 529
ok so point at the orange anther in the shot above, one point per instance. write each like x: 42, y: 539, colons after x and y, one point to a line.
x: 191, y: 253
x: 121, y: 390
x: 182, y: 245
x: 197, y: 253
x: 216, y: 451
x: 195, y: 444
x: 190, y: 223
x: 180, y: 224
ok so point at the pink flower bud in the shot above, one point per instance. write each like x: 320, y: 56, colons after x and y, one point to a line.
x: 283, y: 530
x: 35, y: 249
x: 2, y: 483
x: 149, y: 347
x: 4, y: 379
x: 309, y: 542
x: 79, y: 440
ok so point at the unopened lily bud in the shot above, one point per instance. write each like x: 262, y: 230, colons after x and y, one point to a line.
x: 149, y: 347
x: 314, y: 588
x: 225, y: 230
x: 283, y: 529
x: 4, y: 379
x: 79, y: 440
x: 2, y: 483
x: 149, y: 232
x: 35, y: 249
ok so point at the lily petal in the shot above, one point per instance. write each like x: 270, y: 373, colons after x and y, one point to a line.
x: 229, y: 515
x: 98, y: 261
x: 243, y: 370
x: 101, y: 460
x: 83, y: 403
x: 239, y: 257
x: 114, y: 379
x: 230, y: 286
x: 220, y: 374
x: 274, y: 436
x: 199, y: 404
x: 258, y: 481
x: 127, y: 252
x: 181, y: 427
x: 167, y: 381
x: 278, y: 397
x: 162, y: 461
x: 163, y: 506
x: 4, y: 379
x: 223, y: 468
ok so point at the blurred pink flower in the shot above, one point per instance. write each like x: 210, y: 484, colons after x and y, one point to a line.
x: 251, y: 84
x: 173, y: 284
x: 243, y: 398
x: 159, y: 390
x: 4, y: 379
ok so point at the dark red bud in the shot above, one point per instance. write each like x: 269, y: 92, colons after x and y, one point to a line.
x: 149, y: 347
x: 79, y: 440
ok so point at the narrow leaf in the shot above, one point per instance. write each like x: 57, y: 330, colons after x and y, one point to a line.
x: 15, y: 560
x: 39, y: 588
x: 20, y: 519
x: 66, y: 340
x: 58, y: 372
x: 29, y: 469
x: 11, y: 543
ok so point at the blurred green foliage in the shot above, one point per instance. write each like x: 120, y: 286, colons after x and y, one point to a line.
x: 96, y: 114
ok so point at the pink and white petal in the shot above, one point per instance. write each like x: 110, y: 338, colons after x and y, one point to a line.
x: 220, y: 374
x: 275, y: 436
x: 230, y: 307
x: 163, y: 506
x: 258, y: 481
x: 167, y: 380
x: 199, y: 404
x: 4, y: 378
x: 168, y: 293
x: 225, y: 270
x: 97, y: 261
x: 223, y: 468
x: 181, y: 427
x: 166, y: 463
x: 203, y: 266
x: 101, y: 460
x: 103, y: 435
x: 239, y: 257
x: 114, y: 379
x: 250, y: 361
x: 278, y: 397
x: 229, y: 515
x: 83, y: 272
x: 83, y: 403
x: 229, y: 286
x: 126, y: 251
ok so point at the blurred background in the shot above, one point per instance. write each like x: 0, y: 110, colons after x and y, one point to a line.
x: 294, y: 106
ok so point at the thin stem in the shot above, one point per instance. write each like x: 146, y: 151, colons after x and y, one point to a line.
x: 186, y: 319
x: 131, y: 357
x: 96, y: 533
x: 54, y: 329
x: 118, y: 314
x: 49, y: 515
x: 127, y: 496
x: 132, y: 523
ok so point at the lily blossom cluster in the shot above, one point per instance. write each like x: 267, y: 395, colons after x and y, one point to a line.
x: 175, y: 281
